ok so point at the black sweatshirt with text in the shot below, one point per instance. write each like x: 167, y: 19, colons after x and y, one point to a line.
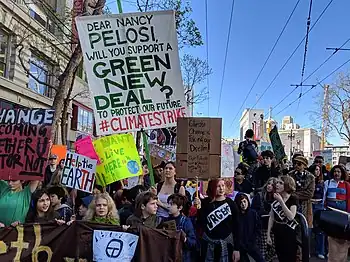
x: 219, y: 219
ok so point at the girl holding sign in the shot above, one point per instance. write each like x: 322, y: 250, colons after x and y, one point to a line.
x: 282, y: 219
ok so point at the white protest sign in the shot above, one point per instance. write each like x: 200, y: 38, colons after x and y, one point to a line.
x: 133, y: 69
x: 79, y: 172
x: 113, y: 246
x: 227, y: 161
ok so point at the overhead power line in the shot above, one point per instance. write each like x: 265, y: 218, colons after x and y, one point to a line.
x: 313, y: 72
x: 335, y: 70
x: 292, y: 54
x: 305, y: 50
x: 226, y: 53
x: 267, y: 59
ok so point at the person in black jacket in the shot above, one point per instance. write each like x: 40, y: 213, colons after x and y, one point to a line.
x: 249, y: 225
x: 266, y: 170
x: 50, y: 170
x: 242, y: 184
x: 219, y: 221
x: 128, y: 202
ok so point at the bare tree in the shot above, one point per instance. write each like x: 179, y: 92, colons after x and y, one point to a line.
x: 63, y: 84
x: 194, y: 72
x: 336, y: 117
x: 187, y: 32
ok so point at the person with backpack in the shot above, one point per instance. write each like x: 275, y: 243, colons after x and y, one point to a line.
x: 249, y: 151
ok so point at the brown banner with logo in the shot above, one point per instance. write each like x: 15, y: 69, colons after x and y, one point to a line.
x: 53, y: 243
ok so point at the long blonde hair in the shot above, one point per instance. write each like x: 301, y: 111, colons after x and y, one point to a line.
x: 112, y: 210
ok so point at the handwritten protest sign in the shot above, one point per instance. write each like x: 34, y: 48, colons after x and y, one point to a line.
x: 85, y: 147
x: 227, y: 161
x: 198, y: 149
x: 119, y: 158
x: 133, y: 69
x: 79, y: 172
x: 112, y: 246
x: 24, y: 143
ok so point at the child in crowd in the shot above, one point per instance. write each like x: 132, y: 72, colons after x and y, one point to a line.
x: 41, y: 209
x: 176, y: 203
x: 145, y: 211
x: 58, y: 198
x: 250, y: 227
x: 128, y: 202
x: 102, y: 210
x: 83, y: 207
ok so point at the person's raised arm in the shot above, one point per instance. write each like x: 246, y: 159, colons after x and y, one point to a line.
x: 289, y: 212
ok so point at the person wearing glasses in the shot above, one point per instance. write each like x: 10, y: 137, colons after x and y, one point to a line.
x: 305, y: 187
x: 242, y: 184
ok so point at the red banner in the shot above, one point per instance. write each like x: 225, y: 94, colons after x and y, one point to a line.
x: 24, y: 143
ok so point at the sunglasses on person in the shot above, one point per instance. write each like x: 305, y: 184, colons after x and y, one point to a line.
x: 318, y: 161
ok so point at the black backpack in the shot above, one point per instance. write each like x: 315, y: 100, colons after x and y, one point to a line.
x: 249, y: 152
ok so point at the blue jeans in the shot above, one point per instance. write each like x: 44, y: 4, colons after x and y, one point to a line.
x: 320, y: 237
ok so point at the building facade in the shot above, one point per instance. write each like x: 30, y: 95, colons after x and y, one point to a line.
x: 251, y: 119
x: 296, y: 139
x: 338, y: 151
x: 35, y: 47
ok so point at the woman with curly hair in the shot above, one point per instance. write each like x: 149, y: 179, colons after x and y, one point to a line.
x: 102, y: 210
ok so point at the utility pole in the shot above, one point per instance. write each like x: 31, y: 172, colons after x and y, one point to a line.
x: 291, y: 137
x: 325, y: 115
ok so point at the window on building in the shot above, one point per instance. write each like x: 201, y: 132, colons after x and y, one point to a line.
x: 4, y: 51
x: 82, y: 120
x: 45, y: 22
x: 81, y: 72
x: 40, y: 69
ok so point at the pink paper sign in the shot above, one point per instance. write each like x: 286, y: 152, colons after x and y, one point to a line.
x: 85, y: 147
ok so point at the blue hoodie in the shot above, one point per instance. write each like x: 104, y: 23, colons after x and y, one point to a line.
x: 185, y: 224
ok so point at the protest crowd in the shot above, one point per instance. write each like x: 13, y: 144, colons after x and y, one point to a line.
x: 257, y: 220
x: 109, y: 198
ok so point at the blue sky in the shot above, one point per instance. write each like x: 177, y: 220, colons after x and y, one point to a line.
x: 255, y: 27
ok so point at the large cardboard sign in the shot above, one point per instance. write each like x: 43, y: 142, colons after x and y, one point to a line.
x: 79, y: 172
x: 198, y: 149
x: 133, y: 69
x: 24, y: 143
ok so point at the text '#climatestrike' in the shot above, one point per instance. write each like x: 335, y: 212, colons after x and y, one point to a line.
x: 142, y: 121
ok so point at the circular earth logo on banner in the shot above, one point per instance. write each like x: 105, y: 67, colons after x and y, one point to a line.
x: 133, y: 167
x: 161, y: 153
